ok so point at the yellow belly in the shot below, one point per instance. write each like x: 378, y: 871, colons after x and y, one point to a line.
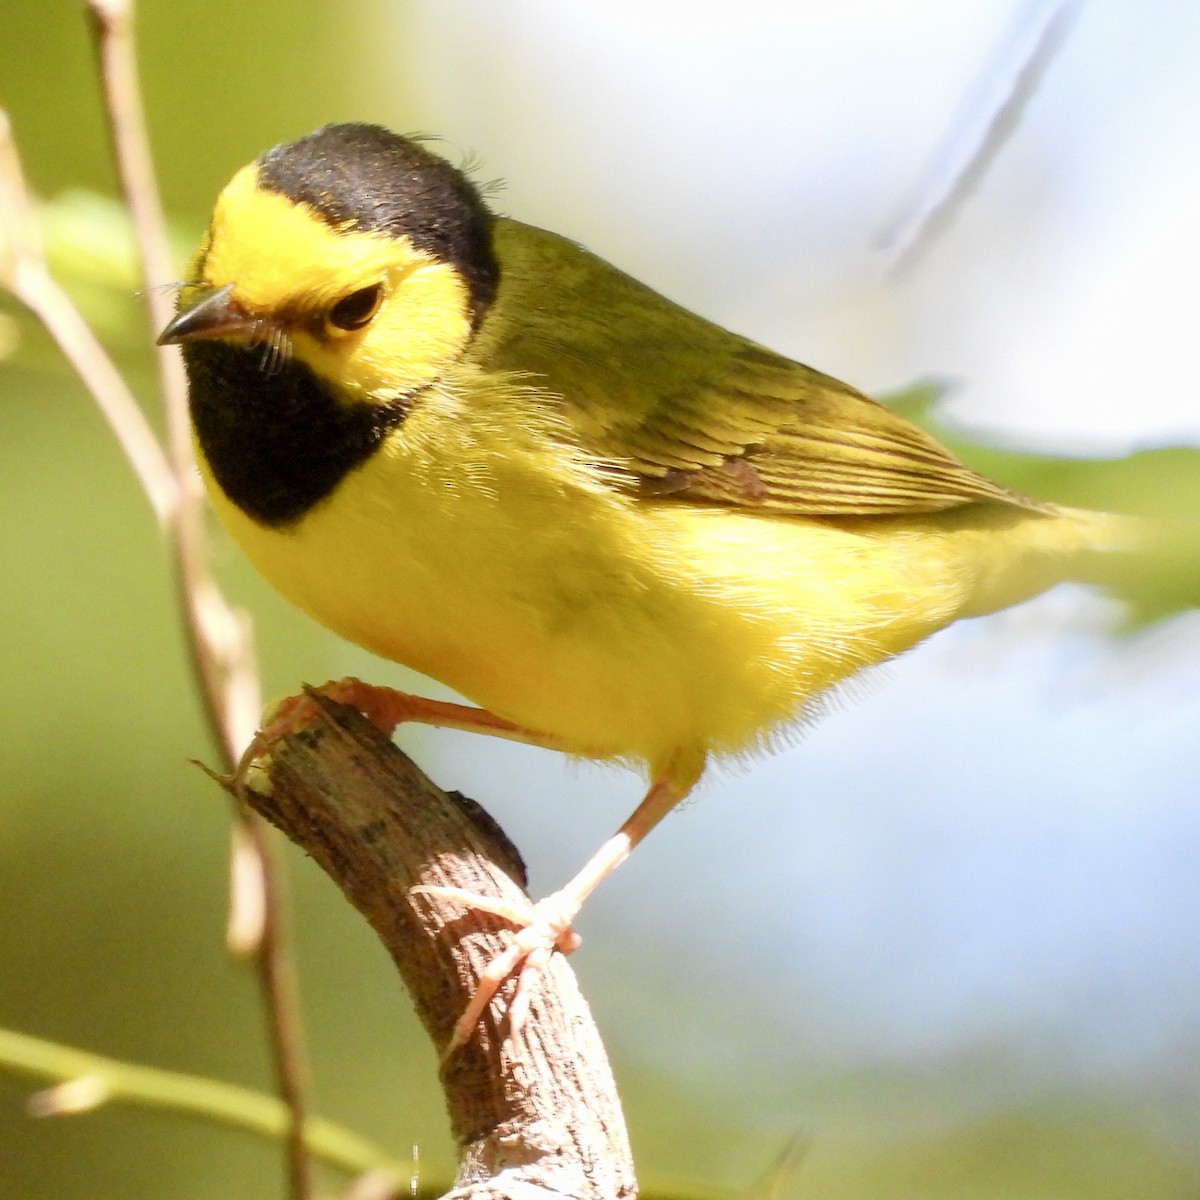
x: 630, y: 628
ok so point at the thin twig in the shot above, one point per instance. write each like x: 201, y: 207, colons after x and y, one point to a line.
x: 112, y: 22
x: 955, y: 174
x: 85, y: 1081
x: 24, y: 272
x: 233, y: 723
x: 218, y: 641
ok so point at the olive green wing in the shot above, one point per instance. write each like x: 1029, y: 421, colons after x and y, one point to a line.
x: 773, y: 434
x: 672, y: 405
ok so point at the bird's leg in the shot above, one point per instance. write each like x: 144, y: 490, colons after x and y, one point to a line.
x: 543, y: 927
x: 387, y: 709
x: 384, y: 707
x: 546, y: 926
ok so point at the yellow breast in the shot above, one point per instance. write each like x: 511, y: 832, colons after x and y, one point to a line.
x: 475, y: 550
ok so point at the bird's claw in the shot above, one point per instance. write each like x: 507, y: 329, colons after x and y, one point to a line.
x: 543, y: 928
x: 292, y: 715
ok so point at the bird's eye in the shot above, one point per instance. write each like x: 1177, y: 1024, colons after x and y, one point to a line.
x: 356, y: 310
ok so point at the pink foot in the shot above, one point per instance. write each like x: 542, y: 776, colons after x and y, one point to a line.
x: 543, y: 928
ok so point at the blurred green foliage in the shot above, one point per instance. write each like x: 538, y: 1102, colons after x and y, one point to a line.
x: 1028, y: 1155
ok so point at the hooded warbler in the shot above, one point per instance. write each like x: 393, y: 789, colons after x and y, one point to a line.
x: 473, y: 447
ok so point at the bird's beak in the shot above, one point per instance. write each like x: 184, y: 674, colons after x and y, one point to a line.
x: 215, y: 315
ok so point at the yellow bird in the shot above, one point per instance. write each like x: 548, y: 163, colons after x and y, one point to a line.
x: 476, y: 449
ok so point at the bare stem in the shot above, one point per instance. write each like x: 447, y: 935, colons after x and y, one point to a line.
x: 84, y: 1081
x: 972, y: 147
x: 24, y: 272
x: 217, y: 638
x: 113, y: 23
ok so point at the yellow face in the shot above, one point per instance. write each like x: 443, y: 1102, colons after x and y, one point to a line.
x: 368, y: 312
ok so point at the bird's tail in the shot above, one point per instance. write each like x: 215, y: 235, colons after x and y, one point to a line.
x: 1150, y: 565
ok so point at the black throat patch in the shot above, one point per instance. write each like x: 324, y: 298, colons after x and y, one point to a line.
x: 278, y: 444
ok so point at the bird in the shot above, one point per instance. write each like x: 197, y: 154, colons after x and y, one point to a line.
x: 616, y: 528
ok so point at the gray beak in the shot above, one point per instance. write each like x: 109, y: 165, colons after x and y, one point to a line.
x: 214, y: 315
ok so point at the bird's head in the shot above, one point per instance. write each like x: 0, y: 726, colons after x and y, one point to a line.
x: 354, y: 252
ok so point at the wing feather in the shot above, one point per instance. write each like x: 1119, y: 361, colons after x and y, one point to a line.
x: 672, y: 405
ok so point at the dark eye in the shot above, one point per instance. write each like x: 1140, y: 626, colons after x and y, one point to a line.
x: 355, y: 310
